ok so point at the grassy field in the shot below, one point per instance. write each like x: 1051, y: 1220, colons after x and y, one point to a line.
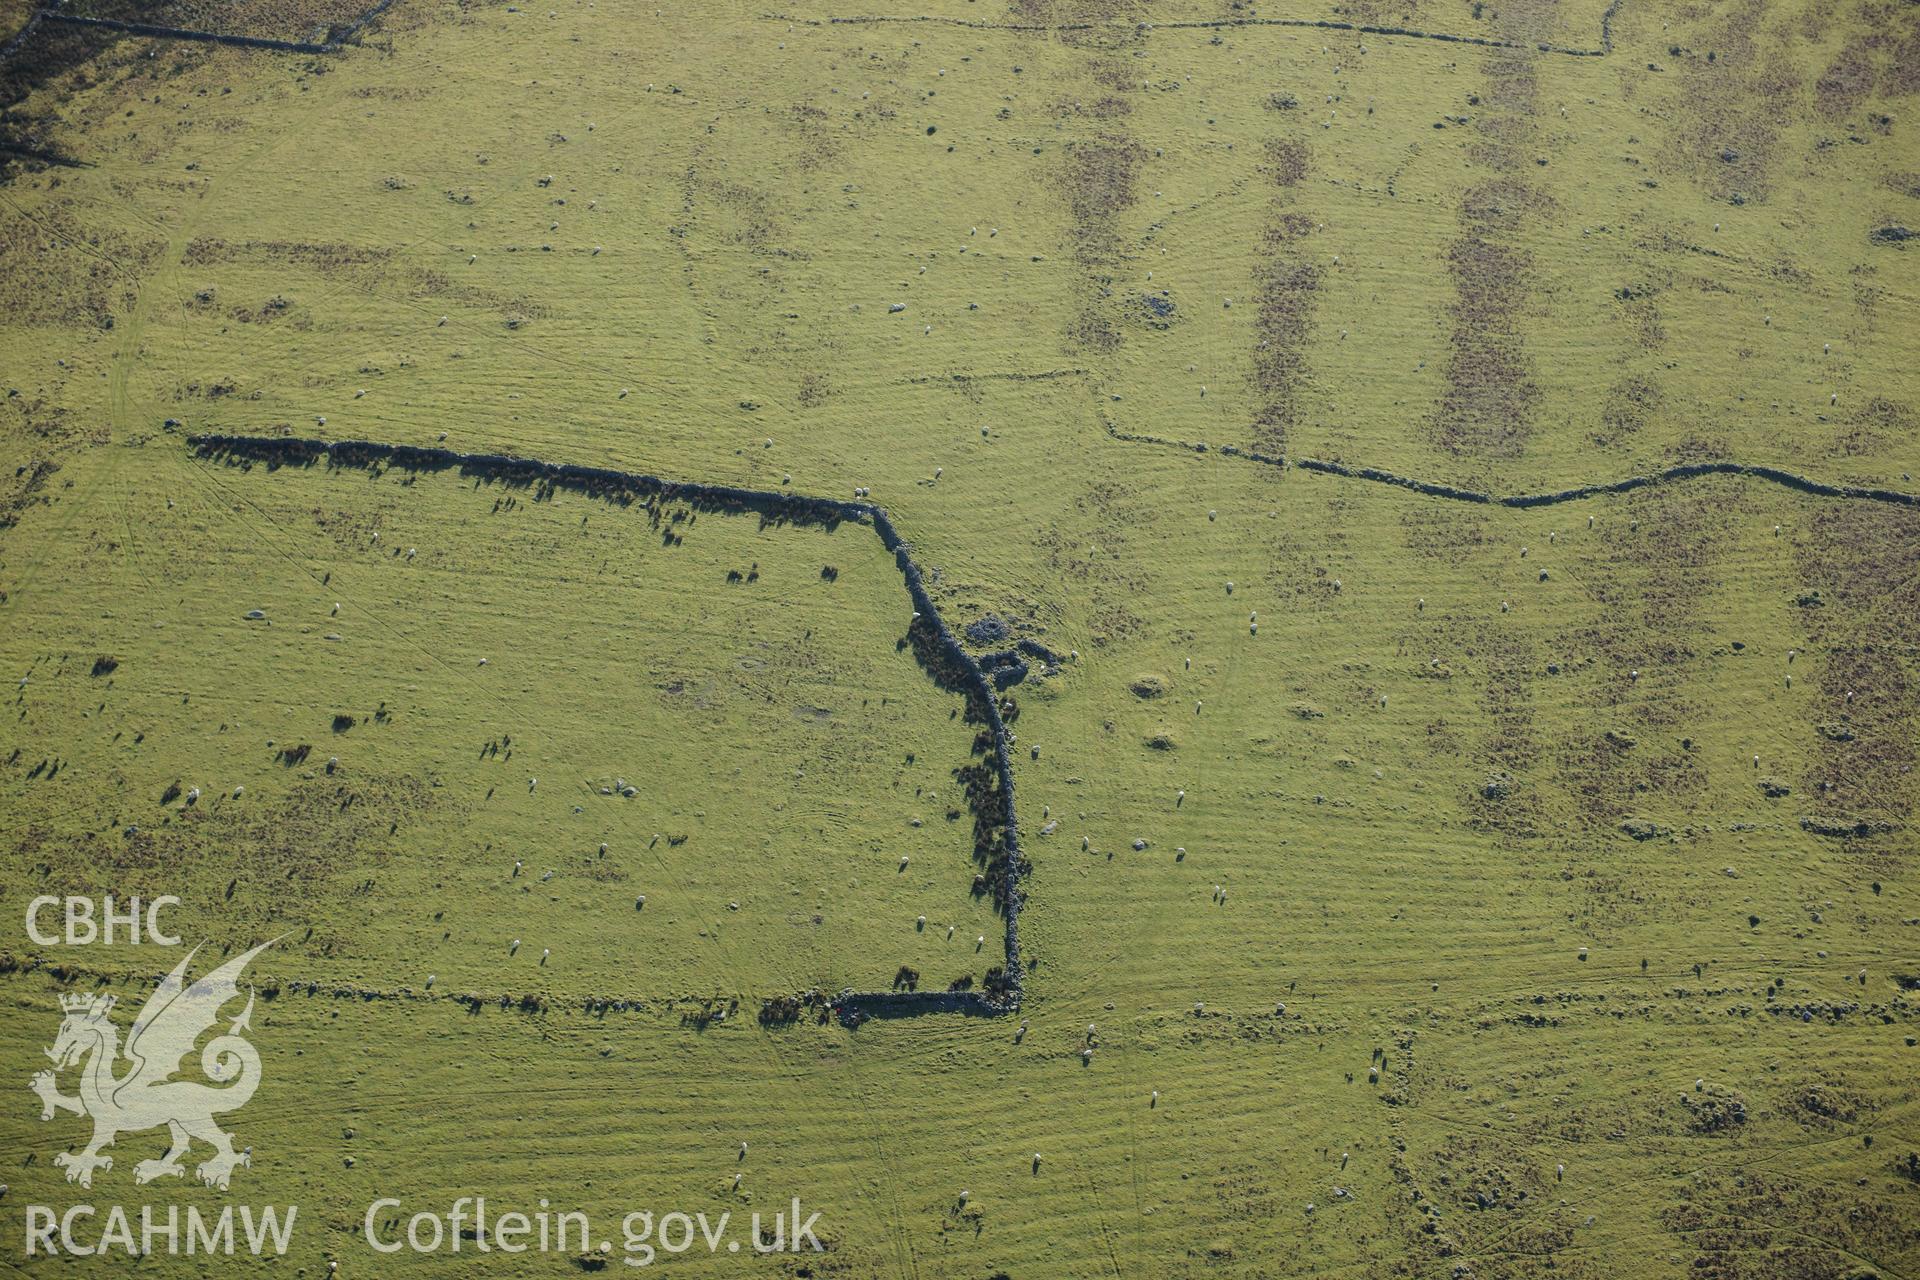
x: 1453, y: 889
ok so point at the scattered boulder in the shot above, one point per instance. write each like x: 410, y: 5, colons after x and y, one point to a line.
x: 988, y: 629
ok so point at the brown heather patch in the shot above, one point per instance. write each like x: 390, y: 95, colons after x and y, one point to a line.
x: 1727, y: 112
x: 1846, y: 82
x: 1866, y: 746
x: 1525, y: 22
x: 1868, y: 429
x: 1105, y: 107
x: 1286, y: 228
x: 1285, y: 285
x: 1509, y: 746
x: 1659, y: 571
x: 1501, y: 204
x: 1443, y: 530
x: 812, y: 141
x: 1755, y: 1223
x: 1609, y: 778
x: 1863, y: 561
x: 1476, y: 1174
x: 1902, y: 76
x: 1629, y: 404
x: 1490, y: 395
x: 1487, y: 404
x: 1649, y: 584
x: 1110, y: 20
x: 1091, y: 331
x: 45, y: 280
x: 813, y: 390
x: 1642, y: 320
x: 1097, y: 179
x: 1099, y: 182
x: 733, y: 213
x: 1112, y: 73
x: 323, y: 258
x: 1285, y: 288
x: 1386, y: 13
x: 1287, y: 160
x: 1863, y: 558
x: 273, y: 862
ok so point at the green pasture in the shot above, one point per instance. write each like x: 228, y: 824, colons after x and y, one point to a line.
x: 1408, y: 850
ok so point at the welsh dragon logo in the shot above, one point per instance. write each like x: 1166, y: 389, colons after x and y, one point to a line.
x: 147, y: 1096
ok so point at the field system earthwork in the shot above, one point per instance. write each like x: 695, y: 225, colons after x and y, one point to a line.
x: 578, y: 520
